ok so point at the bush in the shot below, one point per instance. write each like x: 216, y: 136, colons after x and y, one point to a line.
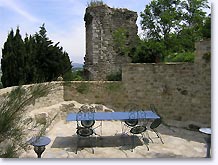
x: 83, y: 88
x: 94, y: 3
x: 115, y: 76
x: 12, y: 108
x: 76, y: 75
x: 1, y: 86
x: 180, y: 57
x: 147, y: 52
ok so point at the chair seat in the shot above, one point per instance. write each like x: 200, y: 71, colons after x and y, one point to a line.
x: 84, y: 132
x: 138, y: 129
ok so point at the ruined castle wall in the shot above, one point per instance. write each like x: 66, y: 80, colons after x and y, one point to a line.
x: 101, y: 58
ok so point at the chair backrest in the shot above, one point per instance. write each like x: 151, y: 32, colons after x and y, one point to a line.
x: 87, y: 123
x: 130, y: 108
x: 131, y: 122
x: 155, y: 123
x: 85, y: 115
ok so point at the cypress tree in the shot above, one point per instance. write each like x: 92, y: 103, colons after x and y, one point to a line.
x: 19, y: 59
x: 13, y: 60
x: 33, y: 60
x: 31, y: 69
x: 6, y: 63
x: 51, y: 60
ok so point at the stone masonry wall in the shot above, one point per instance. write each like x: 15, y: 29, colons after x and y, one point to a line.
x: 179, y: 91
x: 101, y: 22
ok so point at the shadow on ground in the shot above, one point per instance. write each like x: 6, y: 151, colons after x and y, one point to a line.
x: 189, y: 135
x: 101, y: 141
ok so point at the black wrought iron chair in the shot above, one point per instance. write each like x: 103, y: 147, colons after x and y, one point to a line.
x: 85, y: 127
x: 136, y: 130
x: 154, y: 125
x: 133, y: 125
x: 131, y: 122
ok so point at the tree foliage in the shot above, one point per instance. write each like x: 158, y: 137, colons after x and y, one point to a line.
x: 177, y: 24
x: 147, y: 51
x: 160, y: 18
x: 36, y: 59
x: 13, y: 60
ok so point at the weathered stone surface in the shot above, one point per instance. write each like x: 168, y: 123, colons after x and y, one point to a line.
x: 101, y: 57
x: 41, y: 118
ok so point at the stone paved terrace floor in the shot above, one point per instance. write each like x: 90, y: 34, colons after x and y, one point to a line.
x: 178, y: 144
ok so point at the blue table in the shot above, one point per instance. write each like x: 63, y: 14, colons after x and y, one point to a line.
x: 100, y: 116
x: 122, y: 116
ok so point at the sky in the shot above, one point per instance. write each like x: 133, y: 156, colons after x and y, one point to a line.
x: 63, y: 20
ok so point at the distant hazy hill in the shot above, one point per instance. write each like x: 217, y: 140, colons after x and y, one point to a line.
x: 77, y: 65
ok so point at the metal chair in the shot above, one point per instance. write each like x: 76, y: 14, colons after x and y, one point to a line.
x: 156, y: 123
x: 138, y: 129
x: 135, y: 126
x: 85, y: 127
x: 153, y: 127
x: 131, y: 122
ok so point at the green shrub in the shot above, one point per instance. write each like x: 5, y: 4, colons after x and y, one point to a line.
x: 83, y: 88
x: 180, y: 57
x: 113, y: 87
x: 76, y: 75
x: 12, y: 108
x: 117, y: 76
x: 1, y: 86
x: 207, y: 56
x: 94, y: 3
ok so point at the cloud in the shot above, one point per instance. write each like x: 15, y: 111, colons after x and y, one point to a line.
x: 13, y: 5
x: 73, y: 41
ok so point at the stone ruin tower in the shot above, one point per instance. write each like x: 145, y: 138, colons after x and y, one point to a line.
x: 101, y: 57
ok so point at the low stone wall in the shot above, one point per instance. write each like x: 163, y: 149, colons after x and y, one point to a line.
x: 110, y: 94
x: 55, y: 95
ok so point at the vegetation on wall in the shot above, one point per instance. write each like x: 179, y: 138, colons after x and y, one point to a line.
x: 180, y: 57
x: 207, y: 57
x: 120, y: 40
x: 147, y: 52
x: 116, y: 76
x: 83, y: 88
x: 94, y: 3
x: 113, y: 87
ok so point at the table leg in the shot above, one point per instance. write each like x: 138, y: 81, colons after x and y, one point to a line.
x: 208, y: 142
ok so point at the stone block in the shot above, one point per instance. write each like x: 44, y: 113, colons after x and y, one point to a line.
x: 41, y: 118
